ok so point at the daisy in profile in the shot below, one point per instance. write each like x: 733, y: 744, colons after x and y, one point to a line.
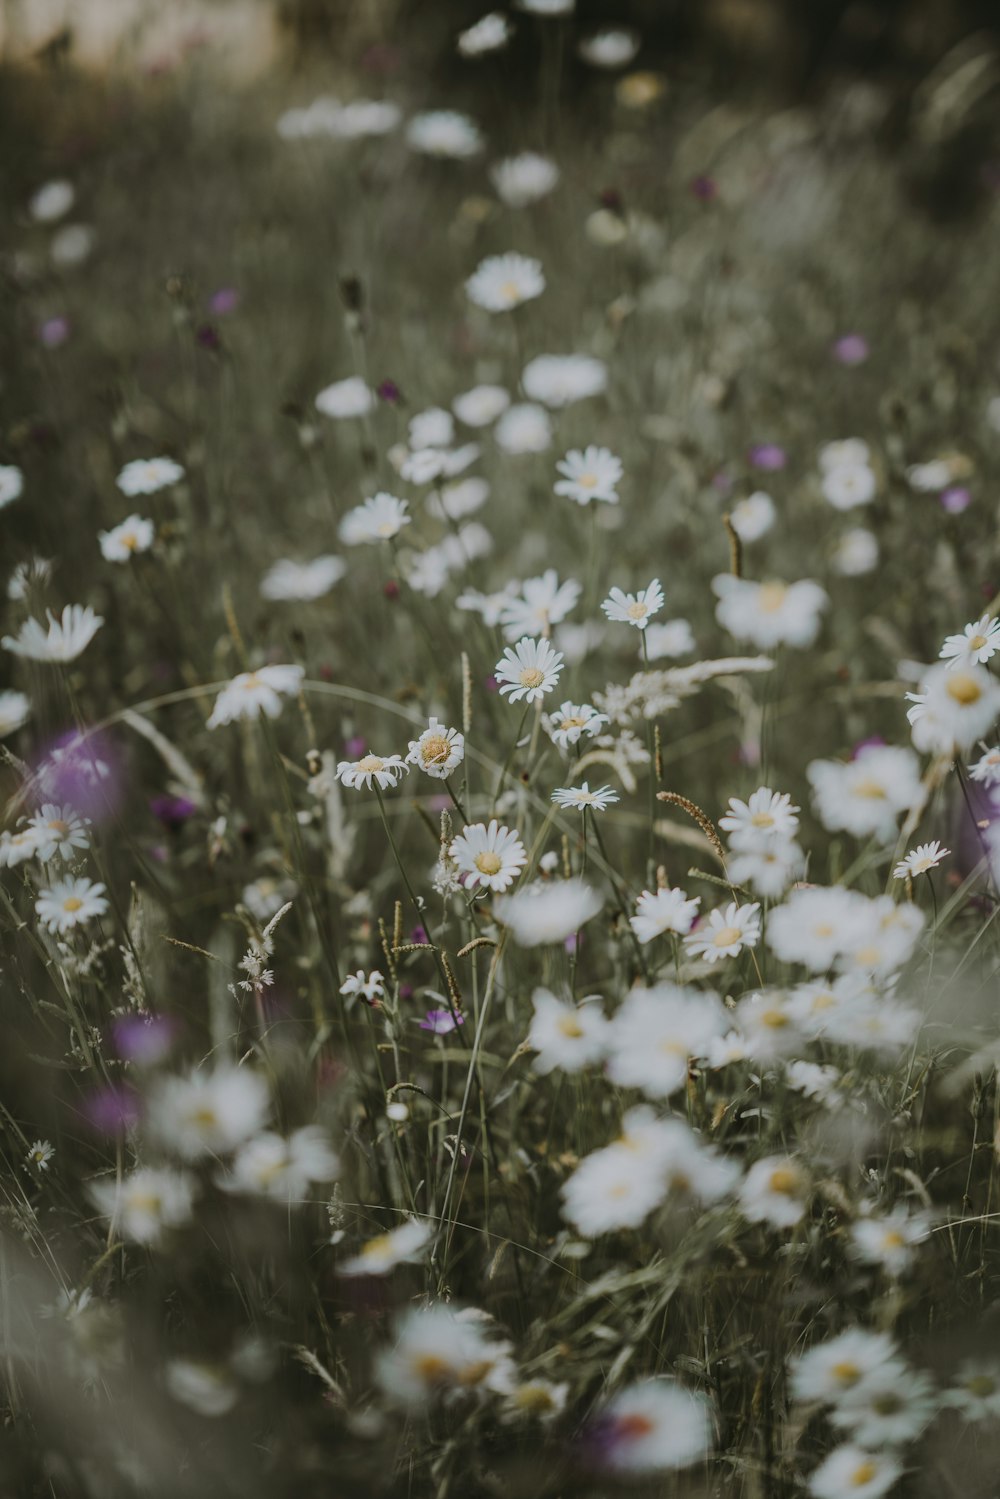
x: 401, y: 1246
x: 15, y: 710
x: 591, y: 474
x: 920, y: 860
x: 69, y: 903
x: 146, y: 1203
x: 547, y: 911
x: 529, y: 671
x: 123, y: 542
x: 301, y: 581
x: 253, y: 693
x: 368, y: 986
x: 775, y: 1191
x: 539, y: 604
x: 567, y: 1037
x: 149, y: 476
x: 581, y: 797
x: 444, y: 133
x: 663, y: 911
x: 520, y: 180
x: 769, y: 614
x: 502, y: 282
x: 379, y: 519
x: 856, y: 1471
x: 634, y: 608
x: 438, y: 751
x: 440, y: 1352
x: 978, y: 643
x: 58, y: 830
x: 655, y: 1426
x: 345, y: 399
x: 16, y: 848
x: 11, y: 484
x: 384, y: 771
x: 489, y: 855
x: 726, y: 933
x: 571, y: 721
x: 559, y: 380
x: 66, y: 637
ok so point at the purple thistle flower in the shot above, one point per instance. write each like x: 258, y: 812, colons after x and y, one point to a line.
x: 224, y: 301
x: 144, y: 1039
x: 768, y: 456
x: 390, y: 392
x: 440, y: 1022
x: 955, y: 499
x: 851, y: 349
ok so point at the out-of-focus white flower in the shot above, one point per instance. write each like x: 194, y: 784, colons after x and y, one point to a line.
x: 149, y: 476
x: 753, y: 517
x: 609, y: 49
x: 663, y: 911
x: 548, y: 911
x: 591, y: 473
x: 856, y: 1471
x: 480, y: 406
x: 670, y: 639
x: 441, y: 1352
x: 122, y: 542
x: 655, y: 1426
x: 502, y: 282
x: 11, y: 484
x: 208, y: 1112
x: 888, y: 1239
x: 539, y: 604
x: 72, y: 244
x: 207, y: 1389
x: 346, y: 398
x: 775, y: 1191
x: 656, y: 1032
x: 444, y: 133
x: 301, y: 581
x: 976, y: 1392
x: 524, y: 428
x: 401, y: 1246
x: 986, y: 769
x: 849, y: 485
x: 559, y: 380
x: 865, y: 796
x: 66, y: 637
x: 830, y: 1370
x: 283, y: 1169
x: 253, y: 693
x: 380, y: 518
x: 567, y: 1037
x: 520, y: 180
x: 147, y: 1202
x: 929, y: 477
x: 856, y: 553
x: 769, y: 614
x: 956, y: 705
x: 489, y: 34
x: 52, y: 201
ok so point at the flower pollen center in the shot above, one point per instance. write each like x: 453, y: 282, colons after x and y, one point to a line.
x: 435, y: 751
x: 965, y: 690
x: 727, y: 936
x: 531, y: 676
x: 638, y: 610
x: 369, y: 764
x: 71, y: 904
x: 488, y: 862
x: 771, y: 596
x: 784, y: 1181
x: 863, y: 1473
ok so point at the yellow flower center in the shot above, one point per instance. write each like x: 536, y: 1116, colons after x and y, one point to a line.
x: 869, y: 956
x: 488, y: 862
x: 893, y: 1239
x: 587, y: 481
x: 130, y: 541
x: 377, y: 1248
x: 369, y: 763
x: 531, y: 676
x: 570, y: 1027
x: 823, y: 929
x: 771, y: 596
x: 575, y: 722
x: 144, y: 1202
x: 638, y: 610
x: 533, y: 1397
x: 773, y: 1019
x: 510, y: 291
x: 981, y: 1385
x: 386, y: 529
x: 727, y: 936
x: 976, y: 642
x: 71, y: 904
x: 431, y: 1368
x: 203, y: 1118
x: 58, y: 826
x: 784, y: 1181
x: 435, y: 751
x: 762, y: 820
x: 846, y: 1373
x: 965, y: 690
x: 863, y: 1473
x: 250, y: 681
x: 869, y: 789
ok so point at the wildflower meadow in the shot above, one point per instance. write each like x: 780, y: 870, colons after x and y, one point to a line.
x: 500, y: 765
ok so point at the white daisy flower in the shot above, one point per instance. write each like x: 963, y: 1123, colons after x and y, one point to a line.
x: 387, y: 771
x: 501, y: 282
x: 559, y: 380
x: 888, y: 1239
x: 919, y: 860
x: 776, y: 1191
x: 440, y: 1351
x: 253, y: 693
x: 848, y: 452
x: 365, y: 117
x: 589, y: 474
x: 520, y: 180
x: 16, y: 848
x: 978, y: 643
x: 346, y: 398
x: 655, y: 1426
x: 72, y: 244
x: 856, y: 553
x: 491, y: 856
x: 614, y: 1188
x: 812, y: 1079
x: 301, y: 581
x: 929, y: 477
x: 39, y: 1155
x: 541, y: 603
x: 524, y: 428
x: 655, y: 1033
x: 444, y: 133
x: 866, y: 795
x: 401, y: 1246
x: 669, y: 640
x: 753, y: 517
x: 11, y: 484
x: 614, y: 48
x: 726, y: 933
x: 529, y: 671
x: 66, y: 637
x: 488, y: 34
x: 956, y: 705
x: 766, y: 816
x: 535, y: 1399
x: 438, y: 751
x: 68, y: 903
x: 52, y: 201
x: 122, y: 542
x: 15, y: 710
x: 548, y: 911
x: 634, y: 608
x: 370, y: 986
x: 830, y: 1370
x: 58, y: 830
x: 480, y: 406
x: 768, y: 869
x: 976, y: 1393
x: 283, y: 1169
x: 567, y: 1037
x: 581, y: 797
x: 208, y: 1112
x: 147, y: 1202
x: 766, y: 1022
x: 986, y: 769
x: 855, y: 1471
x: 849, y: 485
x: 149, y: 475
x: 571, y: 721
x: 455, y: 501
x: 379, y: 519
x: 769, y: 614
x: 663, y: 911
